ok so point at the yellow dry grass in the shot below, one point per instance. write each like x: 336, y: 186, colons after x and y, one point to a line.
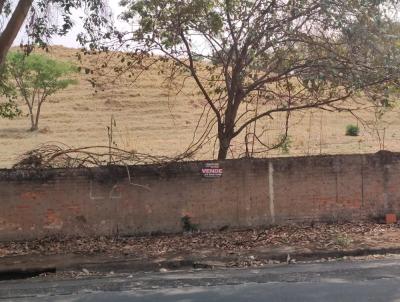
x: 150, y: 120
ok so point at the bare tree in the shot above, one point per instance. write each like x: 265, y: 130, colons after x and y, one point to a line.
x: 253, y: 60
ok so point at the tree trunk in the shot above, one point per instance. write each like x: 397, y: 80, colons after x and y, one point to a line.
x: 224, y: 144
x: 31, y: 117
x: 38, y: 115
x: 33, y: 124
x: 9, y: 34
x: 226, y: 132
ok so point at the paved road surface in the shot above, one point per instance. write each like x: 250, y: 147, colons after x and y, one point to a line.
x: 334, y: 281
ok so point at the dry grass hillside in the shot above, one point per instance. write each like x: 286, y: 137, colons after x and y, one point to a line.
x: 152, y: 121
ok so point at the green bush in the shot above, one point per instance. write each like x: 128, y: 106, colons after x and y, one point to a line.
x: 352, y: 130
x: 286, y: 143
x: 187, y: 224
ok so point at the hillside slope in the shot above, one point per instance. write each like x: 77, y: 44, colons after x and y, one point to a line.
x: 150, y: 120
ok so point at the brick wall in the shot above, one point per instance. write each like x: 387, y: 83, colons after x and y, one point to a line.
x: 250, y: 193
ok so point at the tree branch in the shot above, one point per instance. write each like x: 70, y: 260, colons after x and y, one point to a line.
x: 197, y: 80
x: 13, y: 26
x: 286, y: 109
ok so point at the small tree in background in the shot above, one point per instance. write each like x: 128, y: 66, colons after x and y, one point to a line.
x: 36, y: 77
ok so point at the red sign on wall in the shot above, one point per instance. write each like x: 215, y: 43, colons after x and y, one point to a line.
x: 211, y: 170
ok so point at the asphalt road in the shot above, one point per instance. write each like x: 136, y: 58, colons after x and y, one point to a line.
x: 333, y: 281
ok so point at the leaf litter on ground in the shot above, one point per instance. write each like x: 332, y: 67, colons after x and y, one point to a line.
x: 319, y: 236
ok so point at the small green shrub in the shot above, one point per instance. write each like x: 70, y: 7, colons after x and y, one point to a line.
x: 286, y: 143
x: 352, y: 130
x: 187, y: 224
